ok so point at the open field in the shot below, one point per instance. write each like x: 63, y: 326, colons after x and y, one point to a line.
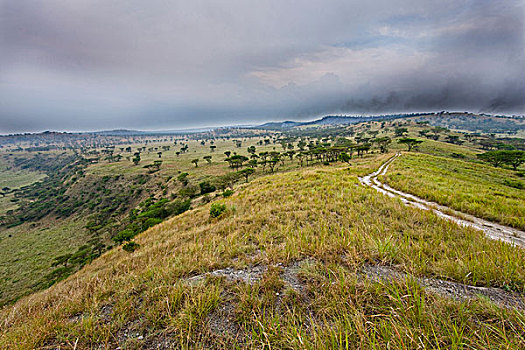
x: 173, y: 164
x: 27, y: 253
x: 470, y: 187
x: 321, y: 214
x: 14, y: 179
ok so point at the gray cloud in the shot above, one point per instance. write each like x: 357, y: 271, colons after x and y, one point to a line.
x: 92, y: 64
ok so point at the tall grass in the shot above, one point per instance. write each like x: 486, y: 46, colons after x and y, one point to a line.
x: 320, y: 213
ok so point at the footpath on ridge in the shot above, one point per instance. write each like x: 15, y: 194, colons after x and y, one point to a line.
x: 491, y: 229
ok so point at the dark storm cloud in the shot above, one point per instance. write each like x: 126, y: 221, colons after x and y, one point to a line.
x: 105, y: 64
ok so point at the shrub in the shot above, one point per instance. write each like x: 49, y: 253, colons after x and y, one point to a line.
x: 458, y: 155
x: 227, y: 193
x: 124, y: 235
x: 189, y: 191
x: 514, y: 183
x: 206, y: 187
x: 151, y: 222
x: 130, y: 247
x: 217, y: 209
x: 179, y: 206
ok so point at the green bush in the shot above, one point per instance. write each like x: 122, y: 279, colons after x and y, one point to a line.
x: 151, y: 222
x: 206, y: 187
x: 227, y: 193
x: 189, y: 191
x: 124, y: 235
x: 130, y: 247
x: 217, y: 209
x: 179, y: 206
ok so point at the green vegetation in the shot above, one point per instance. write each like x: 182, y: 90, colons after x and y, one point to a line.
x: 217, y: 209
x: 512, y: 158
x: 321, y: 214
x: 288, y: 251
x: 470, y: 187
x: 28, y: 254
x: 12, y: 179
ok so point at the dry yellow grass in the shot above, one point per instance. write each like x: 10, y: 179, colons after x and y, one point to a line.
x: 320, y: 213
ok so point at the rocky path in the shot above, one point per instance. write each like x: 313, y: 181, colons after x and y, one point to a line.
x: 492, y: 230
x: 375, y: 273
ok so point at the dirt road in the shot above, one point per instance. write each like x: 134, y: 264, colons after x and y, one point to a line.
x: 492, y: 230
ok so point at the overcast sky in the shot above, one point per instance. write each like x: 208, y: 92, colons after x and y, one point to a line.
x: 103, y: 64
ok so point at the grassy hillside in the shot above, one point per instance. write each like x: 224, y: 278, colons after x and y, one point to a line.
x: 492, y: 193
x: 14, y: 179
x: 28, y: 251
x: 319, y: 219
x: 76, y: 211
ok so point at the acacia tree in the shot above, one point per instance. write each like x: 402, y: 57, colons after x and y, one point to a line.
x: 207, y: 158
x: 300, y: 157
x: 409, y: 142
x: 513, y: 158
x: 247, y: 172
x: 400, y: 131
x: 383, y: 143
x: 272, y: 162
x: 196, y: 162
x: 362, y: 149
x: 492, y: 157
x: 236, y: 161
x: 136, y: 159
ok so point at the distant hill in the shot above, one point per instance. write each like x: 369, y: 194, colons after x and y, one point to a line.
x: 118, y: 132
x: 278, y: 125
x: 333, y: 120
x: 471, y: 122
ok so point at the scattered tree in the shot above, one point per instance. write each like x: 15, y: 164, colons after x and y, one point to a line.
x: 411, y: 143
x: 247, y: 172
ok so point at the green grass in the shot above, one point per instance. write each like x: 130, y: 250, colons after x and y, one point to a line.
x: 320, y: 213
x: 469, y: 187
x: 14, y: 179
x: 172, y: 164
x: 28, y: 250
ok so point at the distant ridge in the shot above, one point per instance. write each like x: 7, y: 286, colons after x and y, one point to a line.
x: 117, y: 132
x: 334, y: 120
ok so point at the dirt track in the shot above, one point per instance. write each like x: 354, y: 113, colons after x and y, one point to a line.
x: 492, y: 230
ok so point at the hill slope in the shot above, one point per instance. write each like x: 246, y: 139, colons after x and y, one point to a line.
x: 288, y: 259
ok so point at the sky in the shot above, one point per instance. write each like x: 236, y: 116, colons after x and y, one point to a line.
x: 169, y: 64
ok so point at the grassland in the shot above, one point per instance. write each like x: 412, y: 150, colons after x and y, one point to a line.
x: 467, y: 186
x: 173, y: 164
x: 14, y: 179
x: 318, y: 217
x: 321, y: 213
x: 27, y: 253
